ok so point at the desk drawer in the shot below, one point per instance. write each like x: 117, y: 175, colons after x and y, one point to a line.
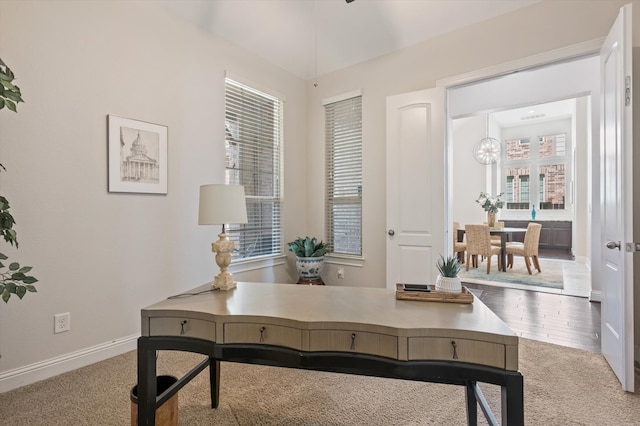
x: 442, y: 348
x: 354, y: 341
x: 267, y: 334
x: 171, y: 326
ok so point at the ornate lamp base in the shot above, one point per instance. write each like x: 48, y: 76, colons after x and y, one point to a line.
x: 223, y: 248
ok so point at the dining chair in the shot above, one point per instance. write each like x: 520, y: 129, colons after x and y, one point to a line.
x: 528, y: 249
x: 496, y: 240
x: 479, y: 244
x: 459, y: 247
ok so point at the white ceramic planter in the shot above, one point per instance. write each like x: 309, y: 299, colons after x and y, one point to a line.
x: 448, y: 285
x: 309, y: 268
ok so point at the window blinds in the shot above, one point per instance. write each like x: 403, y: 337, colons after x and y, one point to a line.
x: 253, y: 122
x: 343, y: 142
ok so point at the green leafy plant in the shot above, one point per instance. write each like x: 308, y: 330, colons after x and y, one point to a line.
x: 13, y: 278
x: 308, y: 247
x: 448, y: 267
x: 490, y: 203
x: 9, y: 93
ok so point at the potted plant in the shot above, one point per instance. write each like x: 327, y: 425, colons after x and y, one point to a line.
x: 309, y: 257
x: 448, y: 280
x: 13, y: 278
x: 491, y: 205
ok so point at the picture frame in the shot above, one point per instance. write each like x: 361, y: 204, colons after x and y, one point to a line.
x: 137, y: 156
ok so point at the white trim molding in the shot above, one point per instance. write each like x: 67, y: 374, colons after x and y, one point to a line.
x: 595, y: 296
x: 35, y: 372
x: 562, y: 54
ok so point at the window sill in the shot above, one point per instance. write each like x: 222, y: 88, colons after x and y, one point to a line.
x: 244, y: 265
x: 345, y: 260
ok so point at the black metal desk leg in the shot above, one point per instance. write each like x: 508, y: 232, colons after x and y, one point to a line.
x: 146, y: 384
x: 513, y: 401
x: 472, y: 405
x: 214, y: 381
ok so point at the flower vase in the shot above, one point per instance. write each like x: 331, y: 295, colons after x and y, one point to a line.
x: 491, y: 219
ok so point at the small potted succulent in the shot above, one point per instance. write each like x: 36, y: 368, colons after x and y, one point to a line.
x: 309, y: 256
x: 448, y: 280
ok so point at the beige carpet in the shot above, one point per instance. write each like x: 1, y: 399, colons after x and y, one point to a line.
x: 563, y: 386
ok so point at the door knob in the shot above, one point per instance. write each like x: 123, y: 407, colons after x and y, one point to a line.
x: 391, y: 232
x: 613, y: 245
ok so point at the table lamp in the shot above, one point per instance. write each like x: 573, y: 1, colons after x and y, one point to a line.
x: 219, y: 205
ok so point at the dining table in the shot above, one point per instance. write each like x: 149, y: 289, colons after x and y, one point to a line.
x: 506, y: 235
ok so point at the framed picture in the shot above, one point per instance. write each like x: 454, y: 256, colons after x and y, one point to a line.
x: 137, y: 153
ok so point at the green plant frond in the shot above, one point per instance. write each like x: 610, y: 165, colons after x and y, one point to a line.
x: 449, y: 266
x: 11, y: 105
x: 308, y: 247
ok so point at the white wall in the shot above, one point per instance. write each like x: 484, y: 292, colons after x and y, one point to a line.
x: 103, y: 256
x: 469, y: 177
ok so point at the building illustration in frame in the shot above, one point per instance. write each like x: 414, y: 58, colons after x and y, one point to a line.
x: 139, y: 154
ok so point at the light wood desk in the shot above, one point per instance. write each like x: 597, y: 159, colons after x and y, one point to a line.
x: 351, y: 330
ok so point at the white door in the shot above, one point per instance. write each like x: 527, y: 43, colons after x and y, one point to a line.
x: 617, y: 199
x: 415, y: 186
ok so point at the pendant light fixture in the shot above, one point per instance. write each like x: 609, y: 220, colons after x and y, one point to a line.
x: 487, y: 150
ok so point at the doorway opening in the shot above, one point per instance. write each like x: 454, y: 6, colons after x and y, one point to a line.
x: 544, y: 121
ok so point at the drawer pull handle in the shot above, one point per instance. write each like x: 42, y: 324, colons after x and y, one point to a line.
x: 353, y: 342
x: 182, y: 323
x: 455, y: 349
x: 262, y: 329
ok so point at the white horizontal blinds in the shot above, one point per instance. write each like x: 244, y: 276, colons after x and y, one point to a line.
x: 253, y: 122
x: 343, y: 141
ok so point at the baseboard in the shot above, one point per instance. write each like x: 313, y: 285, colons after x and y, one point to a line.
x: 595, y: 296
x: 32, y: 373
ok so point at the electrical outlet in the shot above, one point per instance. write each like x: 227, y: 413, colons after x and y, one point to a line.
x: 340, y: 273
x: 61, y: 323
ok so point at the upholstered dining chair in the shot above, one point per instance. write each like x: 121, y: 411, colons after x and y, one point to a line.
x: 479, y: 244
x: 528, y: 249
x: 459, y: 247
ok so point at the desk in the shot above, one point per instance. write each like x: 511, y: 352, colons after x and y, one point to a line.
x: 351, y: 330
x: 506, y: 235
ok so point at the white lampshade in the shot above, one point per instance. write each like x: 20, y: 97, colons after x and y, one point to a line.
x: 221, y: 204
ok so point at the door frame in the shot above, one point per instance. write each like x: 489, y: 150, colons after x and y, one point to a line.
x: 567, y: 53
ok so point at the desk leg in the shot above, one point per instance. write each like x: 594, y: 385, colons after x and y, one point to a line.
x: 146, y: 384
x: 472, y: 405
x: 214, y: 381
x: 513, y: 401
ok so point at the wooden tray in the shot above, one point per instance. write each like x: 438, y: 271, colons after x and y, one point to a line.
x: 435, y: 296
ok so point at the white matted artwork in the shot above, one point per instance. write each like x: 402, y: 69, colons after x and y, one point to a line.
x: 137, y: 156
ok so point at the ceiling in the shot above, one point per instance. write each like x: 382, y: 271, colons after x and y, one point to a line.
x: 535, y: 113
x: 288, y: 33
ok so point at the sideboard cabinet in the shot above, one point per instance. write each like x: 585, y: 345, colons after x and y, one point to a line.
x: 555, y: 234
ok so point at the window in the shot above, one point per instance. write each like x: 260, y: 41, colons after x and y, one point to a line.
x: 343, y: 141
x: 253, y: 123
x: 543, y: 161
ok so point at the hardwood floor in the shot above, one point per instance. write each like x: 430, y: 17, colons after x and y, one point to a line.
x: 553, y: 318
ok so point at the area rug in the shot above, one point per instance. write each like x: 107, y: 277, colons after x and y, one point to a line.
x: 551, y: 275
